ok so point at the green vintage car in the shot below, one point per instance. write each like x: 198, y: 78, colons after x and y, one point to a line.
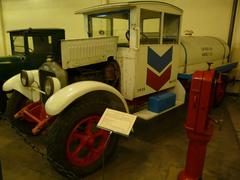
x: 30, y: 48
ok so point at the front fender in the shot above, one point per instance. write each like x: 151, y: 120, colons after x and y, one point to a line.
x: 64, y: 97
x: 14, y: 83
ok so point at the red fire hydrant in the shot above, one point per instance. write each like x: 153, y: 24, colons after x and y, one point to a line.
x: 198, y: 125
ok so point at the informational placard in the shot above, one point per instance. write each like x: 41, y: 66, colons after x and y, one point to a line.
x: 117, y: 122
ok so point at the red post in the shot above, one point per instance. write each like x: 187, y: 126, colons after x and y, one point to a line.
x: 198, y: 125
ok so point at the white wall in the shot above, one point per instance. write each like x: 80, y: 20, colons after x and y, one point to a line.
x: 204, y: 17
x: 2, y: 34
x: 236, y: 37
x: 20, y: 14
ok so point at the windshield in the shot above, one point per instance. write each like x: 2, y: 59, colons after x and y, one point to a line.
x: 37, y: 44
x: 40, y: 44
x: 110, y: 24
x: 18, y: 44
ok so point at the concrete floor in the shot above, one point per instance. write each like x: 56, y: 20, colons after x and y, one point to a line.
x: 155, y: 151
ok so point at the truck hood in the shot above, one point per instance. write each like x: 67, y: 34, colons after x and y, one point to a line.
x: 9, y: 66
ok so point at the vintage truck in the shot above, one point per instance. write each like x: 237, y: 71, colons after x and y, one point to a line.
x: 29, y: 47
x: 131, y: 59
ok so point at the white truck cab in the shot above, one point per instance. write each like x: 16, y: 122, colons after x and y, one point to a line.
x: 148, y: 42
x: 146, y: 49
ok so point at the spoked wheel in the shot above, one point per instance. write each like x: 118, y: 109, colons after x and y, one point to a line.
x: 74, y: 140
x: 86, y: 143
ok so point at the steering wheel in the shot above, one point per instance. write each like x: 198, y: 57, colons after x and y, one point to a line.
x: 30, y: 50
x: 127, y: 35
x: 144, y: 36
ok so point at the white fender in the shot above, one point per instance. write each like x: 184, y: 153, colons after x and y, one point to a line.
x: 14, y: 83
x: 65, y: 96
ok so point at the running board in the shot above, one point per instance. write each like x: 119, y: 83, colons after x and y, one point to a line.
x: 180, y: 99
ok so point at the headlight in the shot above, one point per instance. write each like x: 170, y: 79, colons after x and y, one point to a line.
x: 27, y: 78
x: 52, y: 85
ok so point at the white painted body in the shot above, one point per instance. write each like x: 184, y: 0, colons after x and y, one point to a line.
x: 133, y: 61
x: 31, y: 93
x: 82, y: 52
x: 133, y: 64
x: 56, y: 103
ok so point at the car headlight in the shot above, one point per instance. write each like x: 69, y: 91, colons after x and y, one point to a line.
x: 27, y: 78
x: 52, y: 85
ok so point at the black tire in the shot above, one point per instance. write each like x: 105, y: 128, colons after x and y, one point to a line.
x: 16, y: 103
x: 61, y: 128
x: 3, y: 101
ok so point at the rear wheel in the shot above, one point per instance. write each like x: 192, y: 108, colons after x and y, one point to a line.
x: 74, y: 140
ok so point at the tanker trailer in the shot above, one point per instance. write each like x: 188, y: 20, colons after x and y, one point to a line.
x: 203, y: 53
x: 198, y: 51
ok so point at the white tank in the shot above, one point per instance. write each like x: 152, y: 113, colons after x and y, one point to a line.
x: 197, y: 51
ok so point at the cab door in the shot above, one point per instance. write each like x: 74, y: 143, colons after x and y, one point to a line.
x: 157, y: 62
x: 39, y: 46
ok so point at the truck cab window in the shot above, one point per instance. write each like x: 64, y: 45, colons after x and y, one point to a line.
x: 18, y: 44
x: 40, y: 44
x: 171, y: 29
x: 30, y: 44
x: 110, y: 24
x: 120, y: 28
x: 101, y: 27
x: 150, y: 27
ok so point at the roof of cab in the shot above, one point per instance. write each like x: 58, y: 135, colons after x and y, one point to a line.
x: 123, y: 5
x: 37, y: 30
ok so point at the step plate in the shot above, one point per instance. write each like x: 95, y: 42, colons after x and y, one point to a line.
x: 148, y: 115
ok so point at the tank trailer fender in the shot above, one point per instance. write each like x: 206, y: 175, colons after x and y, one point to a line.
x: 14, y: 83
x: 65, y: 96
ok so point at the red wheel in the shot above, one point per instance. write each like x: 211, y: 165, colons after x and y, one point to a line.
x: 74, y: 140
x: 86, y: 143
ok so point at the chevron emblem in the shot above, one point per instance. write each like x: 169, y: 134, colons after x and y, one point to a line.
x: 159, y: 63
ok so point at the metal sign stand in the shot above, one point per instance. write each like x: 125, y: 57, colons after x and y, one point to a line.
x: 117, y: 122
x: 103, y: 159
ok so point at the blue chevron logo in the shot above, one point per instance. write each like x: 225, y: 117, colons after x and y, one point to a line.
x: 158, y: 62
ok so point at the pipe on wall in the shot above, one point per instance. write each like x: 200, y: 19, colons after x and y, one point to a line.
x: 232, y: 22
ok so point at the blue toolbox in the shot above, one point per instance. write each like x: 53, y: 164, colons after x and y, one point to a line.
x: 161, y: 102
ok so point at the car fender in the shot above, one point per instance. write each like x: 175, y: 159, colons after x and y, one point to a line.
x: 65, y: 96
x: 14, y: 83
